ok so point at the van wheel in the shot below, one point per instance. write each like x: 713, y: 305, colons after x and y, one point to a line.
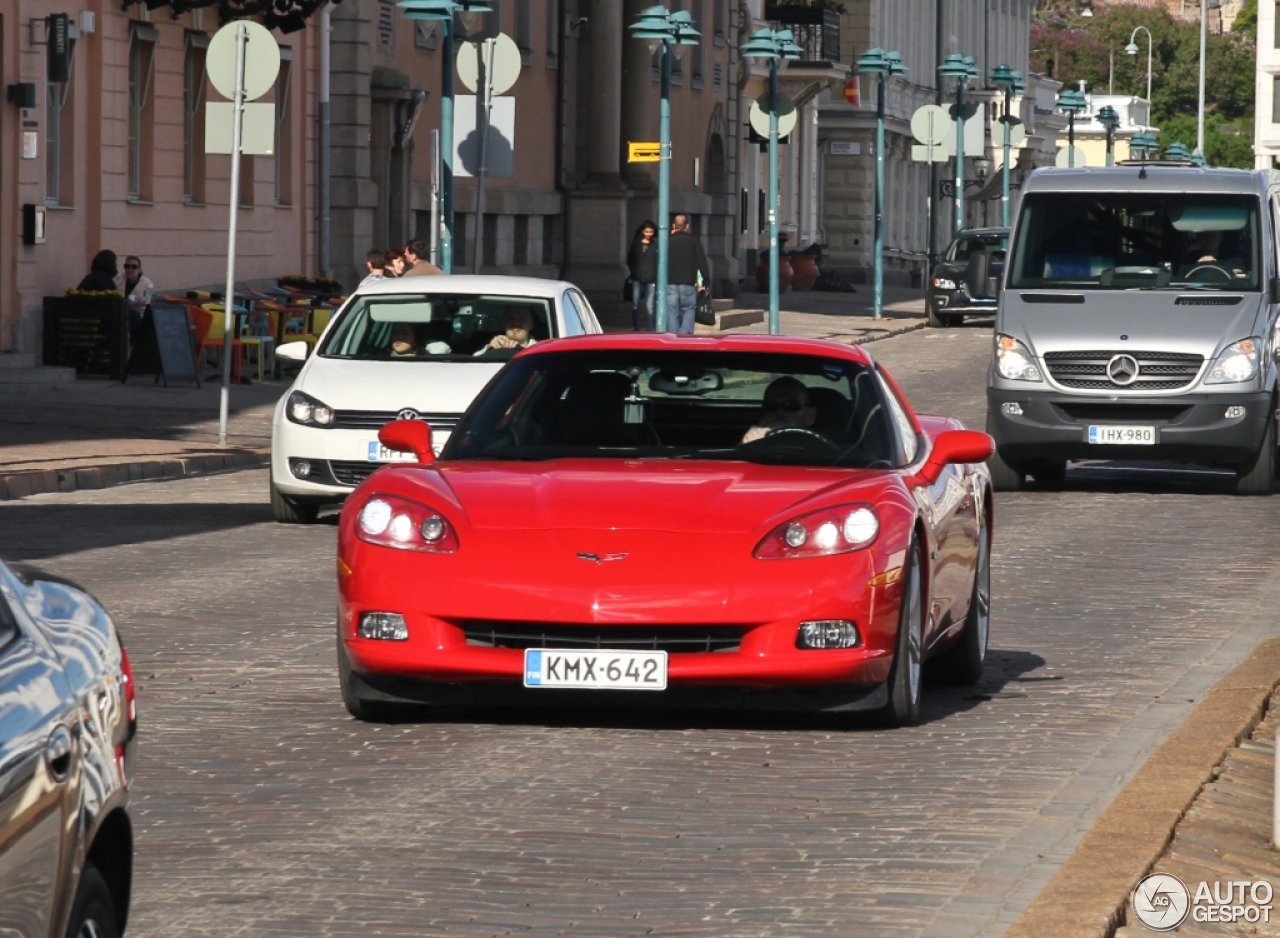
x: 1004, y: 477
x: 939, y: 320
x: 1050, y: 474
x: 1259, y: 476
x: 287, y: 511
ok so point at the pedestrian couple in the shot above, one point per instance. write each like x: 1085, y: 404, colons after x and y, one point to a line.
x: 688, y: 274
x: 384, y: 264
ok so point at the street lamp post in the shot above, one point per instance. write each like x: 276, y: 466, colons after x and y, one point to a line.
x: 1177, y: 151
x: 961, y: 68
x: 1132, y: 49
x: 1110, y: 120
x: 660, y: 27
x: 881, y: 64
x: 1002, y: 76
x: 1200, y: 115
x: 773, y: 45
x: 1144, y: 144
x: 1073, y: 103
x: 442, y: 11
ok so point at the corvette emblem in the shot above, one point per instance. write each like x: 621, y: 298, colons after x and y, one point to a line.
x: 599, y: 559
x: 408, y: 414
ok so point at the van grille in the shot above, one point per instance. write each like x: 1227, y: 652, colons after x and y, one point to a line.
x: 669, y: 638
x: 1157, y: 371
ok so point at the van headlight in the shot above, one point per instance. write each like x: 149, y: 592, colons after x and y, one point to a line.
x: 1014, y: 360
x: 306, y: 410
x: 1238, y: 362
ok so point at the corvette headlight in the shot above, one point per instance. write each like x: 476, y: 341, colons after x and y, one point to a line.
x: 1014, y: 361
x: 306, y: 410
x: 942, y: 283
x: 821, y: 533
x: 392, y: 521
x: 1238, y: 362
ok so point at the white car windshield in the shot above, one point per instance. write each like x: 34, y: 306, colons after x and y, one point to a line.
x: 1135, y: 241
x: 435, y: 327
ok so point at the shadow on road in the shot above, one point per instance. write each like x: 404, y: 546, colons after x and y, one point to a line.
x: 33, y: 531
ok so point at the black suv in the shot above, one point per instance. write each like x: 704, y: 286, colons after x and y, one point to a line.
x: 957, y: 287
x: 67, y: 728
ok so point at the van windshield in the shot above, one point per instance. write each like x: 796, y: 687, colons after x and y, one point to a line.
x: 1135, y: 241
x: 435, y: 327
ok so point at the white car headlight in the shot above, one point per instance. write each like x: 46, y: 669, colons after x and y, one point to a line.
x: 1014, y: 361
x: 942, y: 283
x: 305, y: 409
x: 1238, y: 362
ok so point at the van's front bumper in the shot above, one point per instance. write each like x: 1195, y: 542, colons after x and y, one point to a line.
x: 1192, y: 428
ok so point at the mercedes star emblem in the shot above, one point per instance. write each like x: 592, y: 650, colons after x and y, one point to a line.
x: 408, y: 414
x: 1122, y: 370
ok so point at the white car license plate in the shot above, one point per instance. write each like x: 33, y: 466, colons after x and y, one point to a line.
x: 1124, y: 436
x: 598, y: 670
x: 379, y: 453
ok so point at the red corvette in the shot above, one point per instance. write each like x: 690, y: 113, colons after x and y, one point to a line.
x: 747, y: 522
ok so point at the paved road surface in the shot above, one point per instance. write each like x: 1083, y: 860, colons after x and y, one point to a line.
x: 264, y: 810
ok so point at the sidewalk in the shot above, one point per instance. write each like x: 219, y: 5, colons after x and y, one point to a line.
x: 842, y: 317
x: 94, y: 433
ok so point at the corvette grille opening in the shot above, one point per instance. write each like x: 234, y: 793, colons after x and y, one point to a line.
x: 675, y: 639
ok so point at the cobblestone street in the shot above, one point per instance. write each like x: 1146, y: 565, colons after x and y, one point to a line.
x: 263, y: 809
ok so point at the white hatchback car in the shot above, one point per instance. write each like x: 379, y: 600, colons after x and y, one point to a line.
x: 410, y: 347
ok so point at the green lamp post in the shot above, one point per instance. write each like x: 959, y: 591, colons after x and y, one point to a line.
x: 659, y: 27
x: 1110, y: 120
x: 1199, y: 160
x: 773, y: 45
x: 962, y: 68
x: 1010, y: 81
x: 881, y: 64
x: 1073, y: 103
x: 1143, y: 144
x: 442, y: 11
x: 1177, y: 151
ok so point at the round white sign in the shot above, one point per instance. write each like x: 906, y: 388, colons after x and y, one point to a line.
x: 506, y: 64
x: 261, y: 60
x: 1071, y: 157
x: 931, y: 124
x: 787, y: 116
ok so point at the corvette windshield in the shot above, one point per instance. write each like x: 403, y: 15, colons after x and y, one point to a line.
x: 1127, y: 240
x: 643, y: 403
x: 435, y: 327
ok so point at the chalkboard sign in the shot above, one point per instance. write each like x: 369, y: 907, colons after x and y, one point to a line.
x: 162, y: 345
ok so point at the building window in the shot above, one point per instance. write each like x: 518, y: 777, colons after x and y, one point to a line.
x: 386, y: 26
x: 696, y: 52
x: 524, y: 31
x: 553, y: 35
x: 59, y: 142
x: 520, y: 250
x: 142, y: 62
x: 283, y: 149
x: 549, y: 240
x: 490, y: 257
x: 1275, y: 100
x: 193, y: 97
x: 1276, y: 43
x: 720, y: 11
x: 677, y: 52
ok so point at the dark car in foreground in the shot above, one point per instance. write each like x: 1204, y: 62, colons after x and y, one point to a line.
x: 67, y: 727
x: 957, y: 288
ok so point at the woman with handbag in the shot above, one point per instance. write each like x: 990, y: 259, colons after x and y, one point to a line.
x: 642, y: 261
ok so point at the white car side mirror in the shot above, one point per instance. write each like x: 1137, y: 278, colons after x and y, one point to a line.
x: 295, y: 352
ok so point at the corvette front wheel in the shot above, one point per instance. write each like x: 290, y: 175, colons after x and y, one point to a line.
x: 903, y: 708
x: 363, y: 709
x: 963, y: 663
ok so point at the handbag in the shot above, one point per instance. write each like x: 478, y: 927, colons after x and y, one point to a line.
x: 704, y: 314
x: 626, y: 289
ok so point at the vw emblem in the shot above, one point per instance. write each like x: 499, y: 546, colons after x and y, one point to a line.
x: 1122, y: 370
x: 408, y: 414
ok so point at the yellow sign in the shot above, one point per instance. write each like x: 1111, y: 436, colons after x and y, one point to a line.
x: 644, y: 152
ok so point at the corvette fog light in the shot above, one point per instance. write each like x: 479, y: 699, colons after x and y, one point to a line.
x: 1234, y: 412
x: 828, y: 633
x: 300, y: 468
x: 1011, y: 409
x: 384, y: 626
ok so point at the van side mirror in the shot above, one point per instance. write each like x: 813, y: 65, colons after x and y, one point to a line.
x: 409, y: 436
x: 1273, y: 291
x: 978, y: 274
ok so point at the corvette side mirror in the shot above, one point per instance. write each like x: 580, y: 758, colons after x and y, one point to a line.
x: 409, y: 436
x: 957, y: 446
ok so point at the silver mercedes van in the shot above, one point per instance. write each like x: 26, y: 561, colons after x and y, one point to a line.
x: 1137, y: 321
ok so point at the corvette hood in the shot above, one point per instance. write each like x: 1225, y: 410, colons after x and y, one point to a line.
x: 704, y: 497
x: 434, y: 387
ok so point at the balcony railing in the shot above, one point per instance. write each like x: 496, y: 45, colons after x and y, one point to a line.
x: 816, y: 30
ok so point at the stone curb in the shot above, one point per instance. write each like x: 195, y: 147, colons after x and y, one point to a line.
x: 73, y: 479
x: 1088, y: 895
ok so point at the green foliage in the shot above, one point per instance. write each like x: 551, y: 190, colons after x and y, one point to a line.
x: 1072, y: 48
x: 1246, y: 21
